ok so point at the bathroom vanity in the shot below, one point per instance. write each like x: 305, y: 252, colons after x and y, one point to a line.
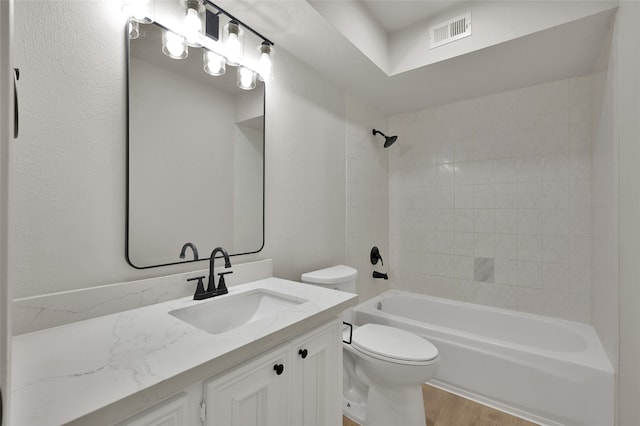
x: 279, y: 366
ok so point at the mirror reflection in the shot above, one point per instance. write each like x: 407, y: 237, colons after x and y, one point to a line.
x: 195, y: 157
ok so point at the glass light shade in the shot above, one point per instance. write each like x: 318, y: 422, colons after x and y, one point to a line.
x: 193, y: 23
x: 134, y: 29
x: 265, y: 62
x: 174, y: 45
x: 233, y: 38
x: 214, y: 64
x: 246, y: 78
x: 142, y: 11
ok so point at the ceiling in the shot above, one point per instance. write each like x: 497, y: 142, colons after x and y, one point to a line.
x: 542, y: 41
x: 395, y: 15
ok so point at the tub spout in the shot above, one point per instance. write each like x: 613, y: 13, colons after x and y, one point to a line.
x: 377, y: 274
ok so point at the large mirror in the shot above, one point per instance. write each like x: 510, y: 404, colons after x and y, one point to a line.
x: 195, y: 157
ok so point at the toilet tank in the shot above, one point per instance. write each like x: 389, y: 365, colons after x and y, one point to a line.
x: 338, y: 277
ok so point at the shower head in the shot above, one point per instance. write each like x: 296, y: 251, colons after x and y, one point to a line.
x: 388, y: 140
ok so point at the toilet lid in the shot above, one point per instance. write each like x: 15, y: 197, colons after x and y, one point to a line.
x: 393, y: 343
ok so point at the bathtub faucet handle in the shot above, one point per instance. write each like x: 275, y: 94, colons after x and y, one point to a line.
x: 375, y: 256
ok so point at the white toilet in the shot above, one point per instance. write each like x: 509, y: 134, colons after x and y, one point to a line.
x: 384, y: 367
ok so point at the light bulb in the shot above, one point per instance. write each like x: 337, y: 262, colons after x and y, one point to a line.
x: 192, y: 24
x: 214, y: 64
x: 174, y: 45
x: 233, y: 43
x: 265, y: 61
x: 246, y: 78
x: 139, y: 10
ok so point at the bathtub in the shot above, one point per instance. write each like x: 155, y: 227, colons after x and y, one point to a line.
x: 548, y: 371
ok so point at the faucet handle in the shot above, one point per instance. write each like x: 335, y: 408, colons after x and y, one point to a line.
x: 200, y: 293
x: 222, y: 287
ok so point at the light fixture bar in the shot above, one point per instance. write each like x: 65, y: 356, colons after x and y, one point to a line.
x: 233, y: 18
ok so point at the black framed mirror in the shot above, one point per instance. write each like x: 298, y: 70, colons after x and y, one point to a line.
x: 195, y: 157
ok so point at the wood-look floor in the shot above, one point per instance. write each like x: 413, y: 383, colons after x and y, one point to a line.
x: 446, y: 409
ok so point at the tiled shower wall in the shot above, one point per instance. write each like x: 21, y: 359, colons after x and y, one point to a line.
x: 490, y: 200
x: 367, y: 195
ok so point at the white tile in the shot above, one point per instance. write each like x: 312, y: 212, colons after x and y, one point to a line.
x: 464, y: 243
x: 580, y: 164
x: 445, y: 265
x: 580, y: 282
x: 580, y: 222
x: 506, y: 271
x: 506, y: 195
x: 484, y: 172
x: 464, y: 219
x: 506, y: 246
x: 531, y: 141
x: 463, y: 267
x: 445, y: 152
x: 483, y: 220
x: 529, y: 169
x: 464, y: 195
x: 580, y: 251
x: 444, y: 197
x: 506, y: 170
x: 464, y: 149
x: 554, y: 304
x: 444, y: 220
x: 555, y: 249
x: 530, y: 221
x: 555, y: 276
x: 427, y: 241
x: 579, y: 308
x: 555, y: 194
x: 444, y: 242
x: 484, y: 245
x: 506, y: 221
x: 464, y: 173
x: 428, y: 264
x: 530, y: 248
x: 483, y: 197
x: 465, y: 291
x: 555, y: 222
x: 529, y: 274
x: 580, y: 194
x: 555, y: 166
x: 529, y: 195
x: 530, y: 300
x: 445, y: 174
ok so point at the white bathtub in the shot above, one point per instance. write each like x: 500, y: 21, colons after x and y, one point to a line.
x: 549, y: 371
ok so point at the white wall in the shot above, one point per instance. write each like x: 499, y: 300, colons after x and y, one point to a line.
x: 68, y: 180
x: 367, y: 195
x: 490, y: 200
x: 627, y: 111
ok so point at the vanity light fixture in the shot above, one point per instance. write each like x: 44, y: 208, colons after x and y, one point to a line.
x: 200, y: 28
x: 193, y: 22
x: 265, y: 61
x: 174, y: 45
x: 232, y: 39
x: 214, y: 64
x: 246, y: 78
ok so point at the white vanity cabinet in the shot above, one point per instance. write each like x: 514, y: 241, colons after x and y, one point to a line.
x: 317, y: 377
x: 299, y: 383
x: 308, y: 390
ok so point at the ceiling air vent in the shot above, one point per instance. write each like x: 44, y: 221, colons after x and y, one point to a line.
x: 451, y: 30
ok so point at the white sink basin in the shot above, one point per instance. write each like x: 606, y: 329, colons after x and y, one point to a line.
x: 227, y: 312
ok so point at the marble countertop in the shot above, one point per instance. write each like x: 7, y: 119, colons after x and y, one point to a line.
x: 129, y: 360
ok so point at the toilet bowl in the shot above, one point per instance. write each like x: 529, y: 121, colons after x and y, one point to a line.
x: 383, y: 367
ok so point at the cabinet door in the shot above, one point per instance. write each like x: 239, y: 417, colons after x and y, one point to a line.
x: 318, y: 375
x: 254, y: 394
x: 174, y: 412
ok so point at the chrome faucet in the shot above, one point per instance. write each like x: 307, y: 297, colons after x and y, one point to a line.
x: 212, y: 290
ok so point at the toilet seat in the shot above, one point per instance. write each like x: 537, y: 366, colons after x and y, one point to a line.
x: 393, y: 345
